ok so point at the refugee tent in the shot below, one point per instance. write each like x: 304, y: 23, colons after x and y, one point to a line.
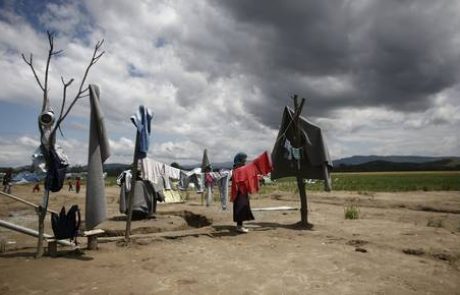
x: 27, y: 177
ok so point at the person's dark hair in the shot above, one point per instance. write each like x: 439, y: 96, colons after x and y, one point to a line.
x: 239, y: 159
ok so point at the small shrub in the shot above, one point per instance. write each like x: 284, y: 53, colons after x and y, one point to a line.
x: 351, y: 211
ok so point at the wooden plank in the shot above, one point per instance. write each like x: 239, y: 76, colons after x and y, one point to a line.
x: 279, y: 208
x: 16, y: 198
x: 93, y: 232
x: 31, y: 232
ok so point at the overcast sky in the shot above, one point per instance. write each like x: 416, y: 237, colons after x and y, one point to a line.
x: 380, y: 77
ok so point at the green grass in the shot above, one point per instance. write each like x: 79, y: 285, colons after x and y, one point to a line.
x: 378, y: 182
x: 368, y: 182
x: 111, y: 180
x: 401, y: 181
x: 351, y: 211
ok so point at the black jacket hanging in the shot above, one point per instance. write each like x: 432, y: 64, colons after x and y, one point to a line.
x: 56, y: 170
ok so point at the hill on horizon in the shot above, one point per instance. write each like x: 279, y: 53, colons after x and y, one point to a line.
x: 358, y: 159
x: 353, y: 163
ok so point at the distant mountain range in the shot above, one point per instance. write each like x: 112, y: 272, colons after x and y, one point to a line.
x: 396, y: 163
x: 357, y: 160
x: 349, y: 164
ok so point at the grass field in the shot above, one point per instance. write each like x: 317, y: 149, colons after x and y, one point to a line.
x: 379, y: 182
x: 370, y: 181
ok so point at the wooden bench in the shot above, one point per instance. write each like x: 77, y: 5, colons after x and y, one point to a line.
x: 92, y: 238
x: 91, y: 244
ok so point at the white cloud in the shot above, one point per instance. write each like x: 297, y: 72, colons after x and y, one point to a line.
x: 171, y: 57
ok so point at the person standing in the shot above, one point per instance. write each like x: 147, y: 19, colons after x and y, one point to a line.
x: 7, y: 180
x: 245, y: 181
x: 36, y: 188
x: 241, y: 206
x: 77, y: 185
x: 70, y: 184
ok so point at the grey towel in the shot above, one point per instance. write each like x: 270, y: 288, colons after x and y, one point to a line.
x: 313, y: 151
x: 98, y: 152
x: 145, y: 198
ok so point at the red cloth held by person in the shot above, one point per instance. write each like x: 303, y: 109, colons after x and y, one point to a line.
x: 245, y: 178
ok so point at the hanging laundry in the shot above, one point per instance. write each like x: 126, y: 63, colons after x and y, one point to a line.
x: 155, y: 171
x: 297, y: 153
x: 125, y: 179
x: 310, y: 160
x: 98, y: 152
x: 245, y: 178
x: 144, y: 199
x: 209, y: 179
x: 161, y: 175
x: 195, y: 176
x: 288, y: 150
x: 142, y: 120
x: 221, y: 179
x: 171, y: 173
x: 56, y: 168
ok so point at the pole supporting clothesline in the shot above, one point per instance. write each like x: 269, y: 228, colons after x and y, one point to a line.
x: 134, y: 171
x: 31, y: 232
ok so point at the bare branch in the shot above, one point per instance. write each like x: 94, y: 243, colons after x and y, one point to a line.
x: 50, y: 54
x: 57, y: 52
x: 60, y: 131
x: 64, y: 96
x: 94, y: 59
x: 30, y: 63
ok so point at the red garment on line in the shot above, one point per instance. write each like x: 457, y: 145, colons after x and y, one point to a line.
x: 245, y: 178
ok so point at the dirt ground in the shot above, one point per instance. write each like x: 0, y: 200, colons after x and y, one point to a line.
x: 403, y: 243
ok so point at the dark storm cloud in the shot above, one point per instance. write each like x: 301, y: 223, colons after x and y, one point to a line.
x: 395, y: 54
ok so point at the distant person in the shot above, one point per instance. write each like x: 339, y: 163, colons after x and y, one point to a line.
x: 36, y: 188
x: 7, y: 181
x: 77, y: 185
x: 241, y: 207
x: 70, y: 185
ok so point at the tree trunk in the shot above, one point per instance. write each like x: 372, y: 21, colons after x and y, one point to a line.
x: 299, y: 178
x: 303, y: 202
x: 41, y: 211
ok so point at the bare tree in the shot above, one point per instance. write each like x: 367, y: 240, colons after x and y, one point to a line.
x: 47, y: 124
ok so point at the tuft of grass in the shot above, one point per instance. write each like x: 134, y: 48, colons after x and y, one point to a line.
x: 351, y: 211
x: 435, y: 223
